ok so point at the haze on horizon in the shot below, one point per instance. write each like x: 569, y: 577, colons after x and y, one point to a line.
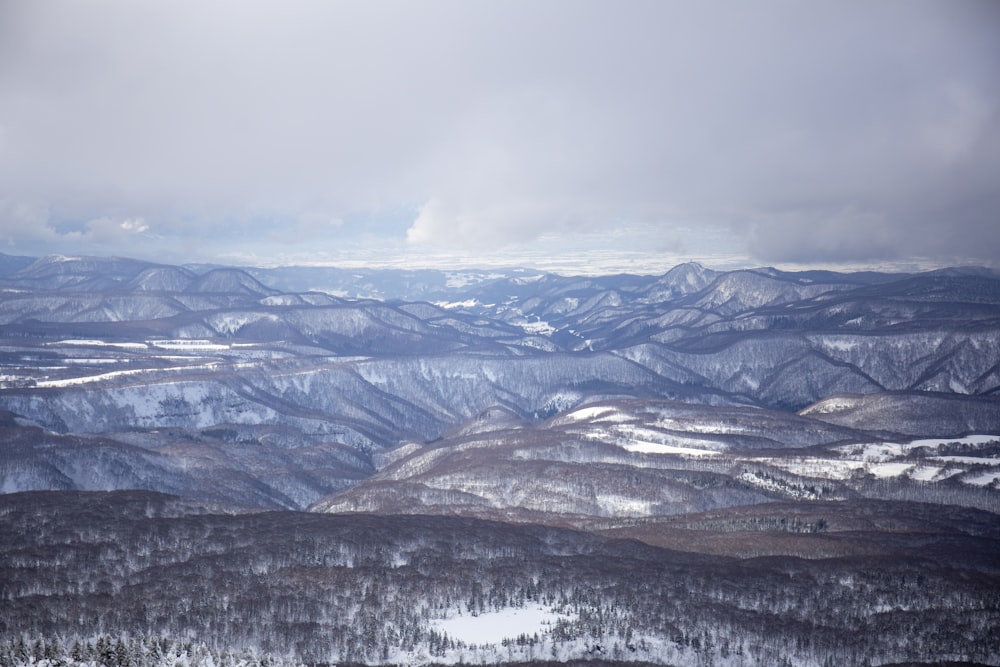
x: 551, y: 134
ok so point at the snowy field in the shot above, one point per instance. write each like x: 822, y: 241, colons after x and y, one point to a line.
x: 493, y: 627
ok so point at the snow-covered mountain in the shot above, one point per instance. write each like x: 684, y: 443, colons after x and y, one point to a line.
x: 637, y: 459
x: 697, y: 468
x: 216, y: 370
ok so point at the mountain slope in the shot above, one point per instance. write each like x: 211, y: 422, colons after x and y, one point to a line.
x: 161, y: 357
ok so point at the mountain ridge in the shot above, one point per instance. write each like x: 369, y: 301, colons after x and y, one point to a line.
x: 703, y: 467
x: 170, y: 359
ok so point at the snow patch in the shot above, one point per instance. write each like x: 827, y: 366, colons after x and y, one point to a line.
x: 840, y: 344
x: 90, y: 342
x: 925, y: 473
x: 451, y: 305
x: 595, y: 413
x: 495, y: 626
x: 189, y: 344
x: 618, y: 505
x: 884, y: 470
x: 70, y: 382
x: 539, y: 327
x: 983, y: 479
x: 882, y: 451
x: 831, y: 405
x: 84, y: 361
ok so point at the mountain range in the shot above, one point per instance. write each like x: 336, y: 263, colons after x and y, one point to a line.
x: 698, y: 421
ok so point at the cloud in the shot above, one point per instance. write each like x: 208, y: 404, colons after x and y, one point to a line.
x: 821, y: 132
x: 111, y: 231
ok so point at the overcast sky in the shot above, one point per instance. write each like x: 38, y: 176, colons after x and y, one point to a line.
x: 548, y: 133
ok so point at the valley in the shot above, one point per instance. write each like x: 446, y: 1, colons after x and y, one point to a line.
x: 701, y: 467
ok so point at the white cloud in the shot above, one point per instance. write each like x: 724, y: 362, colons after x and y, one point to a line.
x: 134, y: 225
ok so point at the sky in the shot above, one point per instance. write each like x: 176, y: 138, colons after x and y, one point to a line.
x: 562, y: 134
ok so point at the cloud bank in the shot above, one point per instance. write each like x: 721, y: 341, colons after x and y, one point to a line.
x: 777, y: 131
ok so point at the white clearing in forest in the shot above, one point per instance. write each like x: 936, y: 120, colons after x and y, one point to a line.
x: 889, y: 469
x: 924, y: 473
x: 100, y: 343
x: 983, y: 479
x: 595, y: 413
x: 495, y: 626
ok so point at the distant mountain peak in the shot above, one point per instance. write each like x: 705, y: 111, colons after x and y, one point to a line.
x: 681, y: 280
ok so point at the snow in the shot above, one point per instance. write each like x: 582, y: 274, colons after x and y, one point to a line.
x: 595, y: 413
x: 775, y: 485
x: 100, y: 343
x: 228, y: 324
x: 540, y: 327
x: 884, y: 470
x: 83, y: 361
x: 706, y: 426
x: 967, y: 440
x: 881, y: 451
x: 69, y: 382
x: 150, y: 373
x: 925, y: 473
x: 974, y: 460
x: 642, y: 447
x: 983, y: 479
x: 463, y: 279
x: 493, y: 627
x: 839, y: 344
x: 619, y: 505
x: 831, y: 405
x: 188, y: 344
x: 887, y: 459
x: 451, y: 305
x: 821, y: 468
